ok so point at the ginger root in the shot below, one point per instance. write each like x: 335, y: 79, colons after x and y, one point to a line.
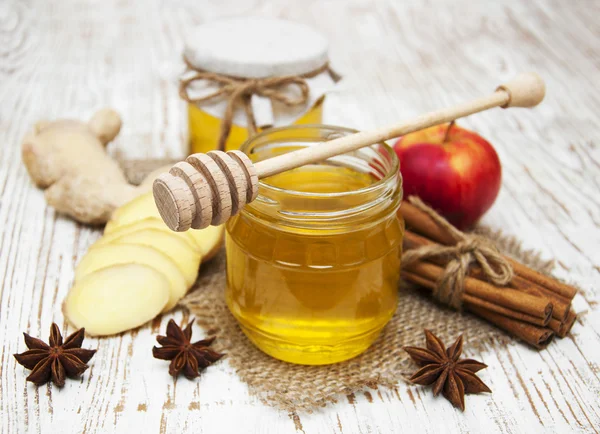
x: 68, y: 159
x: 140, y: 268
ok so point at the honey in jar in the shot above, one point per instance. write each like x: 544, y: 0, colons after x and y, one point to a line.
x: 232, y: 62
x: 313, y: 263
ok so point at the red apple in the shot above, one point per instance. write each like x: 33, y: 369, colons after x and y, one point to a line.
x: 452, y: 169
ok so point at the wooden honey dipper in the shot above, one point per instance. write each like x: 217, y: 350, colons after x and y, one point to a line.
x: 207, y: 189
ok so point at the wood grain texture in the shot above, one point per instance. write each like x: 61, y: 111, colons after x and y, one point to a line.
x: 68, y: 58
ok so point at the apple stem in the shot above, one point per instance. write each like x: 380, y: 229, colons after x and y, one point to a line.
x: 450, y: 125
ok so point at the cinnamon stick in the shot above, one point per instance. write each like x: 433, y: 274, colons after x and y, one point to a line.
x: 562, y: 289
x: 567, y: 325
x: 504, y: 297
x: 470, y: 301
x: 425, y: 225
x: 536, y: 336
x: 554, y: 325
x: 560, y: 307
x: 420, y: 222
x: 561, y: 328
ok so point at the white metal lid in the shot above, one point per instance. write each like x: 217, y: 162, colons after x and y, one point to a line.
x: 255, y: 47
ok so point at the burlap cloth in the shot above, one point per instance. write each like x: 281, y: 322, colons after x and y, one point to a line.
x: 384, y: 364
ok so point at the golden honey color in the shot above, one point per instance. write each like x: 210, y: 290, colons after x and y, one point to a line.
x: 204, y: 128
x: 315, y: 290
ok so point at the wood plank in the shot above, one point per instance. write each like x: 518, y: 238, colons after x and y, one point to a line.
x: 69, y: 58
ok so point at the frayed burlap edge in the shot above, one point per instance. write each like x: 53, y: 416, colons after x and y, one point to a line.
x: 305, y: 388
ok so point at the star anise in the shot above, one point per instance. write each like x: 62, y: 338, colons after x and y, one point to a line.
x: 185, y: 357
x: 57, y: 360
x: 442, y: 368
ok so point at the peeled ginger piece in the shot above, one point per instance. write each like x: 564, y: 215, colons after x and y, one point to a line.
x: 143, y: 209
x: 139, y: 208
x: 117, y: 298
x: 175, y: 248
x: 114, y: 230
x: 107, y: 255
x: 209, y: 240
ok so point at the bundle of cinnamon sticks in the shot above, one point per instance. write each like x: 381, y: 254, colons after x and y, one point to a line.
x: 532, y: 307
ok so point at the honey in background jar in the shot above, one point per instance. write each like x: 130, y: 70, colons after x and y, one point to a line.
x: 204, y: 128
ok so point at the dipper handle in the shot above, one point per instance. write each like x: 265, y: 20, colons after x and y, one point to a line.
x: 209, y: 188
x: 525, y: 90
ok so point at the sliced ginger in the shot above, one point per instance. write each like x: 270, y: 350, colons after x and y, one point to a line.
x: 117, y: 298
x: 138, y: 269
x: 187, y: 259
x: 103, y: 256
x: 143, y: 207
x: 114, y: 231
x: 137, y: 209
x: 209, y: 240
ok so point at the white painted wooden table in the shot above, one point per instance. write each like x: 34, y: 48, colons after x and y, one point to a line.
x: 67, y: 58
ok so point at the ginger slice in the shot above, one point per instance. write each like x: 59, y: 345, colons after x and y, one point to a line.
x: 114, y: 231
x: 209, y: 240
x: 187, y: 259
x: 117, y: 298
x: 102, y: 256
x: 139, y: 208
x: 148, y: 181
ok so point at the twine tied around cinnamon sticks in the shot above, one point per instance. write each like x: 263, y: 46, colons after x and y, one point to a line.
x: 240, y: 90
x: 469, y: 249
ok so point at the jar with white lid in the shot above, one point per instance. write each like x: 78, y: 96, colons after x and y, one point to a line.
x: 248, y: 74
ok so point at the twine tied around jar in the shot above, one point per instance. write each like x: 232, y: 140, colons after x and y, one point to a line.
x: 468, y: 250
x: 240, y: 90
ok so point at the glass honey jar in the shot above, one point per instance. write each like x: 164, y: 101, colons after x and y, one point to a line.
x: 245, y: 75
x: 313, y: 263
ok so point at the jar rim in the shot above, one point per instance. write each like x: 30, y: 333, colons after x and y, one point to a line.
x: 392, y: 172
